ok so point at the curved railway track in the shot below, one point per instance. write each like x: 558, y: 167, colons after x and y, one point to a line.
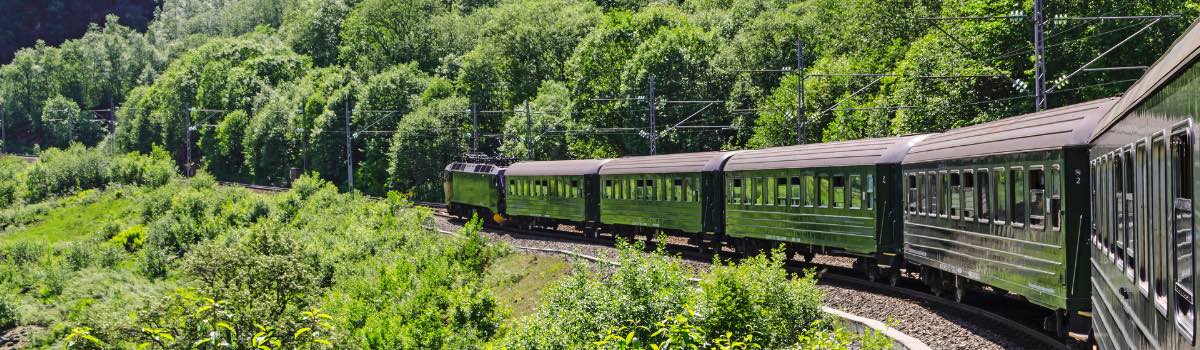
x: 1014, y: 323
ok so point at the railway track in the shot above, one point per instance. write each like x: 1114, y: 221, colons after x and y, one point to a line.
x: 840, y: 275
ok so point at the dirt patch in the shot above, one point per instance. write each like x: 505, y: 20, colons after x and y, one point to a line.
x: 17, y: 337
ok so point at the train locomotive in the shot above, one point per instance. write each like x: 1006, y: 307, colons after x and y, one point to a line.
x: 1085, y: 210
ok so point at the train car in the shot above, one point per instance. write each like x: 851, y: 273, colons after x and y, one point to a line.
x: 677, y: 194
x: 1004, y: 204
x: 474, y: 189
x: 833, y: 198
x: 552, y: 193
x: 1142, y: 250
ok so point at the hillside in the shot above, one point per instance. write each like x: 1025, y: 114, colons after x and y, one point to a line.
x: 257, y: 87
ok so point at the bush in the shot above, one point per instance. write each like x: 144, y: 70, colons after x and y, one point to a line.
x: 76, y: 168
x: 643, y: 290
x: 131, y: 238
x: 79, y: 255
x: 154, y: 262
x: 8, y: 311
x: 757, y: 296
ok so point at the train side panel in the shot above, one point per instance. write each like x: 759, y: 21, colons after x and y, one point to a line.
x: 656, y: 201
x: 552, y: 197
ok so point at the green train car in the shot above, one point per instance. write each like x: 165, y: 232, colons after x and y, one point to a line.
x: 677, y: 194
x: 474, y: 189
x: 1143, y: 187
x: 552, y: 193
x: 1004, y: 204
x: 833, y: 198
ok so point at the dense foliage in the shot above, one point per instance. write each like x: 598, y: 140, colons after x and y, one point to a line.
x: 262, y: 86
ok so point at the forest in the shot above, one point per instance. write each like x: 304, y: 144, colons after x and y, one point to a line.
x: 247, y: 90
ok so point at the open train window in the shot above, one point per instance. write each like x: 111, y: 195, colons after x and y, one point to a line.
x: 1037, y: 198
x: 676, y: 190
x: 781, y: 191
x: 912, y: 193
x: 1181, y: 220
x: 1116, y: 176
x: 838, y: 199
x: 795, y: 191
x: 984, y: 198
x: 608, y: 189
x: 944, y: 193
x: 968, y: 195
x: 693, y: 190
x: 757, y: 187
x: 768, y: 192
x: 856, y: 192
x: 955, y: 194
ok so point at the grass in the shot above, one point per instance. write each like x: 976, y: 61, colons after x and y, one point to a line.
x: 72, y: 222
x: 518, y: 280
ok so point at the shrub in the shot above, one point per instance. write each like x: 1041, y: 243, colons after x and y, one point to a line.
x: 154, y: 262
x: 644, y: 289
x: 79, y: 255
x: 757, y: 296
x: 24, y: 252
x: 131, y: 238
x: 63, y: 171
x: 8, y: 311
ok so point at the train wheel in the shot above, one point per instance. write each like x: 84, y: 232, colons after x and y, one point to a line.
x: 893, y: 277
x: 808, y: 257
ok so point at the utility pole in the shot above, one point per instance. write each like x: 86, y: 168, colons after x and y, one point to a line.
x: 653, y: 133
x: 528, y: 132
x: 187, y: 140
x: 349, y: 153
x: 474, y: 127
x: 304, y: 152
x: 1039, y: 53
x: 801, y: 122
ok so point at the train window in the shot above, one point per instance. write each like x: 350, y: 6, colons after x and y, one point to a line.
x: 781, y: 191
x: 944, y: 192
x: 795, y: 191
x: 968, y: 195
x: 935, y: 190
x: 1181, y: 219
x: 759, y: 191
x: 923, y: 192
x: 869, y: 196
x: 737, y: 191
x: 912, y: 193
x: 1055, y: 182
x: 768, y: 192
x: 930, y: 194
x: 955, y: 194
x: 608, y: 189
x: 676, y: 190
x: 692, y: 191
x: 823, y: 191
x: 838, y: 199
x: 810, y: 191
x: 639, y: 193
x: 1142, y: 233
x: 856, y: 192
x: 1001, y: 203
x: 1130, y: 217
x: 1037, y: 198
x: 1117, y: 224
x: 1158, y: 160
x: 1019, y: 205
x: 984, y: 198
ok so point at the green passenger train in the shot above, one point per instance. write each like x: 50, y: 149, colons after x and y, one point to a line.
x: 1086, y: 210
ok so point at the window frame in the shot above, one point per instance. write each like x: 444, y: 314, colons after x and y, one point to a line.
x: 983, y: 196
x: 1029, y: 198
x: 1000, y: 210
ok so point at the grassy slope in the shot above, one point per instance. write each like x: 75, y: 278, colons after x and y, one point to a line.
x: 518, y: 280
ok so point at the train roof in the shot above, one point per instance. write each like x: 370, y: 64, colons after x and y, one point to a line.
x: 556, y: 168
x: 669, y: 163
x: 889, y: 150
x: 1050, y: 129
x: 474, y: 168
x: 1169, y: 66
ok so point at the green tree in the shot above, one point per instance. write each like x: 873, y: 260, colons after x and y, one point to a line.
x: 433, y: 135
